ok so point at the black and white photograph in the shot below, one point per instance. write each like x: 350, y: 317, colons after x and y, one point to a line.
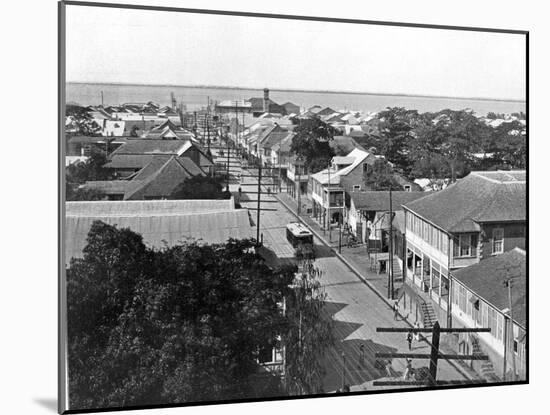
x: 263, y: 206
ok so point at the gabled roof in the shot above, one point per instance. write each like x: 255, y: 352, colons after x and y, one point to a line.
x: 486, y: 280
x: 344, y: 144
x: 164, y: 180
x: 334, y: 175
x: 479, y: 197
x: 283, y: 146
x: 128, y: 161
x: 379, y: 201
x: 150, y: 146
x: 258, y: 105
x: 326, y: 111
x: 108, y: 187
x: 158, y: 178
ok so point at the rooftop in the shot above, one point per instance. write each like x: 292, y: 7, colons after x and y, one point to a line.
x: 159, y: 225
x: 486, y: 279
x: 334, y: 175
x: 480, y: 197
x: 379, y: 201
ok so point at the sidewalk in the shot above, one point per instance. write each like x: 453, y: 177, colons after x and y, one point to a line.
x: 356, y: 259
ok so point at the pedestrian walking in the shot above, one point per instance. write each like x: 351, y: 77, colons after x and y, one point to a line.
x: 408, y: 370
x: 396, y: 310
x: 416, y: 334
x: 410, y: 339
x: 389, y: 368
x: 361, y: 355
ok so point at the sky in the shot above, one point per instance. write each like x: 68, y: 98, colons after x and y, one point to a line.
x: 166, y: 48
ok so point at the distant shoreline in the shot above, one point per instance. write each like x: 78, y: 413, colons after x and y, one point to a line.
x: 304, y: 90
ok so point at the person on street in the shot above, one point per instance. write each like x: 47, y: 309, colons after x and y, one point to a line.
x: 361, y: 355
x: 389, y: 368
x: 396, y: 310
x: 416, y: 334
x: 408, y: 370
x: 410, y: 339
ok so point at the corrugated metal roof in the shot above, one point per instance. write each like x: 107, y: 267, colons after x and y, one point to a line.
x: 147, y: 207
x: 160, y: 223
x: 486, y: 279
x: 477, y: 198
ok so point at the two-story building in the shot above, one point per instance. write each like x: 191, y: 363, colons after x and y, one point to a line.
x: 366, y: 208
x: 327, y: 192
x: 476, y: 218
x: 481, y: 298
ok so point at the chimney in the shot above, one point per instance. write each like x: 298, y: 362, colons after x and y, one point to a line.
x: 266, y: 100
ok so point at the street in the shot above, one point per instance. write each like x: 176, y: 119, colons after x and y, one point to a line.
x: 356, y: 309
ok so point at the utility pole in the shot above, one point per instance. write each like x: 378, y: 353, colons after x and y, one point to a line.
x: 228, y: 163
x: 328, y: 205
x: 433, y: 356
x: 343, y: 371
x: 390, y: 269
x: 279, y: 159
x: 236, y: 122
x: 340, y: 219
x: 259, y: 195
x: 508, y: 280
x: 101, y: 99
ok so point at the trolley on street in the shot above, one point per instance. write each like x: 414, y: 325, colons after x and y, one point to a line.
x: 297, y: 234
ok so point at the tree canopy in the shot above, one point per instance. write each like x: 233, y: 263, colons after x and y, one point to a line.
x: 446, y: 144
x: 180, y: 324
x: 311, y: 142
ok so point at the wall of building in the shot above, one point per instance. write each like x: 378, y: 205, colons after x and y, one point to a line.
x: 514, y: 236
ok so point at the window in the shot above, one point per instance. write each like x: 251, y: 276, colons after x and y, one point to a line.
x: 462, y: 298
x: 356, y: 187
x: 500, y: 327
x: 469, y: 305
x: 366, y: 168
x: 477, y: 312
x: 498, y: 241
x: 516, y: 346
x: 407, y: 188
x: 465, y: 246
x: 484, y: 315
x: 496, y: 323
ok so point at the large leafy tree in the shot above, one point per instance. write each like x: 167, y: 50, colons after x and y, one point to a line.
x: 443, y: 144
x: 381, y: 176
x: 179, y: 324
x: 395, y: 133
x: 509, y: 144
x: 311, y: 142
x: 309, y: 333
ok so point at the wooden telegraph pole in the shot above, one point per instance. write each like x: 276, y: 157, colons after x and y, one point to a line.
x: 508, y: 340
x: 259, y: 193
x: 433, y: 356
x: 390, y: 257
x: 328, y: 205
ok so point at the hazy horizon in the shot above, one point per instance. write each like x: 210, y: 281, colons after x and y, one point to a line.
x: 240, y: 87
x: 139, y: 47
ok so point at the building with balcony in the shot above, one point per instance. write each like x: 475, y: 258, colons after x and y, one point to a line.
x: 296, y: 177
x: 479, y: 217
x: 327, y: 191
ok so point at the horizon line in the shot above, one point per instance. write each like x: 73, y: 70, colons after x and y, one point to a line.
x: 200, y: 86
